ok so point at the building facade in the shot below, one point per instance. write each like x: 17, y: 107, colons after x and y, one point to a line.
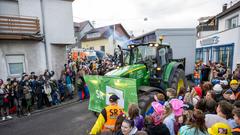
x: 34, y: 35
x: 220, y: 41
x: 181, y: 40
x: 105, y: 38
x: 80, y: 30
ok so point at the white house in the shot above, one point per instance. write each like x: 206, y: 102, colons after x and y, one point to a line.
x: 219, y: 37
x: 34, y: 35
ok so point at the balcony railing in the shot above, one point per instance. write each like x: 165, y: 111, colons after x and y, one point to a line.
x: 206, y: 28
x: 19, y: 27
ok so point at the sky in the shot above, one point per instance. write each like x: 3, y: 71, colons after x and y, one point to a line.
x: 141, y: 16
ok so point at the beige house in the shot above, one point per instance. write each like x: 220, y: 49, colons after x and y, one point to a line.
x: 105, y: 38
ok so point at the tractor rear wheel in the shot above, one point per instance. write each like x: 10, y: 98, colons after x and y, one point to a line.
x: 179, y: 80
x: 145, y: 100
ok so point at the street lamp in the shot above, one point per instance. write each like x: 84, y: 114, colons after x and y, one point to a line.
x: 161, y: 39
x: 145, y: 20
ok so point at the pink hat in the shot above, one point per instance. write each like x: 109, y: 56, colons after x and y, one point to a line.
x: 177, y: 106
x: 158, y: 108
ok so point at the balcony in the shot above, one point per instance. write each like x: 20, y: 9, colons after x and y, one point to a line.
x: 206, y: 28
x: 19, y: 28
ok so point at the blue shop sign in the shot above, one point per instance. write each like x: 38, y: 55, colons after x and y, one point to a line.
x: 210, y: 41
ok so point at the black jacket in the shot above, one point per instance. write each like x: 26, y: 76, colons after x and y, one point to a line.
x: 160, y: 129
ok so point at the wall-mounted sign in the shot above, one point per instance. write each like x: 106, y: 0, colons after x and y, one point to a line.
x: 209, y: 41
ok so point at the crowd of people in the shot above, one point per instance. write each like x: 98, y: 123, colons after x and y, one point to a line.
x: 31, y: 91
x: 209, y: 106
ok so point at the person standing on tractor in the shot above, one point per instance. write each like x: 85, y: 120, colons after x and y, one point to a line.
x: 107, y: 118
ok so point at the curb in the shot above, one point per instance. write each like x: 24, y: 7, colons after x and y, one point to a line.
x: 55, y: 106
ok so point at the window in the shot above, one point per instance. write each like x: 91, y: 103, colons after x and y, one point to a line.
x: 93, y: 35
x: 15, y: 68
x: 232, y: 22
x: 207, y: 54
x: 199, y: 54
x: 102, y: 48
x: 15, y: 64
x: 162, y: 53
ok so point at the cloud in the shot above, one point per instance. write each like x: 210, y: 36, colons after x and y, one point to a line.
x: 160, y: 13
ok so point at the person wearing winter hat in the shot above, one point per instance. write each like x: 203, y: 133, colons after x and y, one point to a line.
x: 157, y: 115
x: 217, y: 88
x: 220, y: 129
x: 196, y: 94
x: 229, y: 95
x: 177, y: 106
x: 234, y: 86
x: 160, y: 98
x: 105, y: 121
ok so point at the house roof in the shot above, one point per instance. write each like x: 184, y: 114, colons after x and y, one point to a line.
x: 229, y: 10
x: 104, y: 32
x: 143, y: 35
x: 81, y: 25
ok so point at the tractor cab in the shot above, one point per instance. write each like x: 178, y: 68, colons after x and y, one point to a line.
x: 153, y: 55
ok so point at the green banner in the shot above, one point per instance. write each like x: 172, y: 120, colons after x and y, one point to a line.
x: 101, y: 87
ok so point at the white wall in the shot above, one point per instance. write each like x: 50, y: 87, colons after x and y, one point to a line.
x: 58, y: 59
x: 32, y: 50
x: 31, y: 8
x: 206, y: 33
x: 222, y: 21
x: 8, y: 7
x: 59, y: 21
x: 59, y: 31
x: 183, y: 44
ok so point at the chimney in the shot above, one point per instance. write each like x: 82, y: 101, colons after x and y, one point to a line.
x: 224, y: 7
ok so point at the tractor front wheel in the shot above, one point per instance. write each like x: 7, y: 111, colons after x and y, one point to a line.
x: 145, y: 100
x: 179, y: 80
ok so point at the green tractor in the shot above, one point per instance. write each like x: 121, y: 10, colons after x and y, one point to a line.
x: 146, y: 69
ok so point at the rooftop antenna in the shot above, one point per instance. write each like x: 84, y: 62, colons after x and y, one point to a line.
x: 93, y: 23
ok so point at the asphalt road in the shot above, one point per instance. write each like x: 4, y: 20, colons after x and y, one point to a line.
x: 73, y: 119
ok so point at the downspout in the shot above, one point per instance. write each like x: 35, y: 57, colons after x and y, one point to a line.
x: 44, y: 33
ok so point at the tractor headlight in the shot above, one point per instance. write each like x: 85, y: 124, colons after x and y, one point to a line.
x: 151, y: 45
x: 132, y: 46
x: 156, y: 45
x: 158, y: 69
